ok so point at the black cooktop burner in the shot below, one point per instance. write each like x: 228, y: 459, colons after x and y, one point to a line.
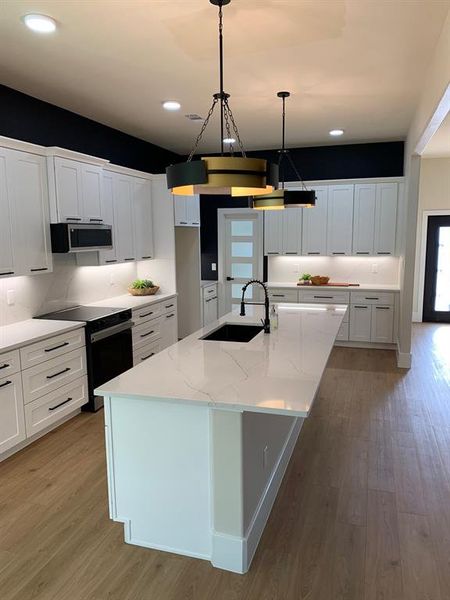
x: 82, y: 313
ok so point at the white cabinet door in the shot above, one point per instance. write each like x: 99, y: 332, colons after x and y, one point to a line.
x: 193, y: 210
x: 364, y: 219
x: 6, y: 248
x: 386, y: 219
x: 69, y: 189
x: 108, y: 257
x: 273, y: 231
x: 340, y: 220
x: 142, y: 218
x: 314, y: 228
x: 31, y: 224
x: 12, y: 418
x: 123, y: 215
x: 291, y: 231
x: 169, y: 329
x: 360, y: 322
x: 91, y: 180
x: 180, y: 210
x: 210, y: 308
x: 382, y: 324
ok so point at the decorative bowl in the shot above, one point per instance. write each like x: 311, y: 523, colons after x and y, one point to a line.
x: 149, y: 291
x: 320, y: 280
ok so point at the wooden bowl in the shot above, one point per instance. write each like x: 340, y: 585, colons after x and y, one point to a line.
x: 144, y: 291
x: 320, y: 280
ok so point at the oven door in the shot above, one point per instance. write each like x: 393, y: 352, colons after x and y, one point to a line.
x: 110, y: 353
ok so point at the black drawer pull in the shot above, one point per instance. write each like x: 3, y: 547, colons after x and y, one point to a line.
x: 291, y: 253
x: 324, y: 297
x: 340, y: 253
x: 7, y: 273
x: 363, y: 253
x: 6, y: 383
x: 371, y: 298
x: 130, y: 258
x: 111, y: 261
x: 169, y: 306
x: 387, y: 253
x: 144, y: 257
x: 170, y: 316
x: 382, y: 307
x: 273, y: 253
x: 73, y: 218
x: 277, y: 295
x: 56, y: 347
x: 58, y: 373
x: 183, y: 222
x: 41, y: 269
x: 148, y: 356
x: 210, y: 291
x: 356, y: 306
x: 195, y: 223
x: 313, y: 252
x: 96, y: 220
x: 146, y: 334
x: 5, y: 365
x: 146, y: 315
x: 60, y: 404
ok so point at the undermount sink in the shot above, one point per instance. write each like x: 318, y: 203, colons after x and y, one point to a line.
x: 232, y: 332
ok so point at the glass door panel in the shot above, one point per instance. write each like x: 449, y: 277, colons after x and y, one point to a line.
x: 436, y: 302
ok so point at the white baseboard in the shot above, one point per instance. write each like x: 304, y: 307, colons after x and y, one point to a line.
x: 236, y: 554
x: 368, y: 345
x: 404, y: 359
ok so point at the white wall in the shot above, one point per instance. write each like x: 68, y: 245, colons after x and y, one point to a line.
x: 434, y: 194
x: 352, y: 269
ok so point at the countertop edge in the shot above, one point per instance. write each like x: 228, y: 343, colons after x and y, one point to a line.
x: 72, y: 326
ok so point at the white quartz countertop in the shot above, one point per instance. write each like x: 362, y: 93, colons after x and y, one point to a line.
x: 128, y: 301
x: 276, y: 373
x: 32, y: 330
x: 373, y: 287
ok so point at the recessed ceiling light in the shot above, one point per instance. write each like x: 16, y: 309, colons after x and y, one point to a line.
x: 39, y: 23
x: 171, y: 105
x: 336, y: 132
x: 229, y: 140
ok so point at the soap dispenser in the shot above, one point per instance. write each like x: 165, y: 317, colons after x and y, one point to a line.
x: 273, y: 317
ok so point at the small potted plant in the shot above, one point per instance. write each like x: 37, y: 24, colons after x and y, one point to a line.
x: 143, y: 287
x: 305, y: 279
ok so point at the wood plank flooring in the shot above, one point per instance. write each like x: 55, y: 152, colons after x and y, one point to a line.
x: 363, y: 513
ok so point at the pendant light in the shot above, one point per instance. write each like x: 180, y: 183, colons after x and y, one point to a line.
x: 233, y: 175
x: 281, y: 198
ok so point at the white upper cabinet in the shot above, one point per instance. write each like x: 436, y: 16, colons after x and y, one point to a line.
x: 314, y: 229
x: 7, y: 266
x: 92, y: 181
x: 273, y: 231
x: 364, y: 219
x: 386, y: 219
x: 68, y: 187
x: 187, y: 211
x: 340, y: 220
x: 108, y: 257
x: 142, y: 215
x: 291, y: 231
x: 123, y: 215
x: 31, y: 229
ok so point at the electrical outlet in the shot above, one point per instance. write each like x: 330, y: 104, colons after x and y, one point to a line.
x: 374, y: 268
x: 213, y: 267
x: 10, y: 297
x: 296, y: 268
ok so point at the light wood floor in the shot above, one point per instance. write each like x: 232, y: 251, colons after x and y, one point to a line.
x: 363, y: 513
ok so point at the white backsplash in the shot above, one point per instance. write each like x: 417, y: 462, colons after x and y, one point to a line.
x: 68, y: 285
x: 351, y: 269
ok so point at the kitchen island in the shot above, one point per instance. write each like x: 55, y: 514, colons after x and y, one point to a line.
x: 198, y: 437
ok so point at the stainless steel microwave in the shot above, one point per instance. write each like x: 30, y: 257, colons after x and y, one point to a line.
x: 80, y: 237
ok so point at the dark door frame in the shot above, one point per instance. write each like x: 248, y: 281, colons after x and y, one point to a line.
x: 431, y: 255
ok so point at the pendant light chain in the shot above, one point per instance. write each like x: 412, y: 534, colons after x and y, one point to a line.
x: 202, y: 130
x: 235, y: 129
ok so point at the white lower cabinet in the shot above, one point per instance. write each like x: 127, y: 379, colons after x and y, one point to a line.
x: 146, y: 352
x: 360, y: 322
x: 155, y: 328
x: 371, y: 323
x: 12, y: 420
x: 382, y: 324
x: 210, y: 305
x: 146, y: 332
x: 283, y: 295
x: 169, y: 329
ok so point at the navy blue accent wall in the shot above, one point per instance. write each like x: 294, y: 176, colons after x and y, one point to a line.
x: 349, y: 161
x: 26, y: 118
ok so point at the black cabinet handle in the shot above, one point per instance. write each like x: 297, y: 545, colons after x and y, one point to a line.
x: 58, y: 373
x: 56, y: 347
x: 146, y: 334
x: 170, y: 316
x: 111, y: 261
x: 169, y: 306
x: 313, y: 252
x: 356, y: 306
x: 96, y: 220
x: 131, y: 258
x: 183, y: 222
x: 291, y: 253
x: 6, y: 383
x: 230, y: 278
x: 41, y: 269
x: 146, y: 315
x: 386, y: 253
x: 60, y: 404
x: 195, y: 223
x: 7, y: 273
x: 363, y: 253
x: 5, y: 366
x: 73, y: 218
x: 144, y: 257
x: 148, y: 356
x: 273, y: 253
x: 324, y: 297
x: 371, y: 298
x: 338, y: 253
x: 382, y: 307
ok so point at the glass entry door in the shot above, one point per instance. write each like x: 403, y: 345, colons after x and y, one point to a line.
x: 436, y: 301
x: 242, y: 255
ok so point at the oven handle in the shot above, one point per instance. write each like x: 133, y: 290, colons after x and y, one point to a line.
x: 101, y: 335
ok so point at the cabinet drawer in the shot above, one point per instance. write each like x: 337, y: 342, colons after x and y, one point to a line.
x: 280, y: 295
x: 52, y: 374
x: 152, y: 311
x: 146, y: 352
x: 9, y: 363
x: 147, y: 332
x: 51, y: 347
x: 169, y: 305
x: 372, y: 298
x: 324, y: 297
x: 53, y: 406
x: 210, y: 290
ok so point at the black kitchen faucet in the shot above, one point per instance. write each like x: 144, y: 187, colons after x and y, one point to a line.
x: 266, y: 320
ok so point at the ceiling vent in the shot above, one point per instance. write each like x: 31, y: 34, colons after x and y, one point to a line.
x: 194, y: 117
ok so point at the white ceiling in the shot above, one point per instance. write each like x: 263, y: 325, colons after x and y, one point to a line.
x: 439, y: 145
x: 351, y: 64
